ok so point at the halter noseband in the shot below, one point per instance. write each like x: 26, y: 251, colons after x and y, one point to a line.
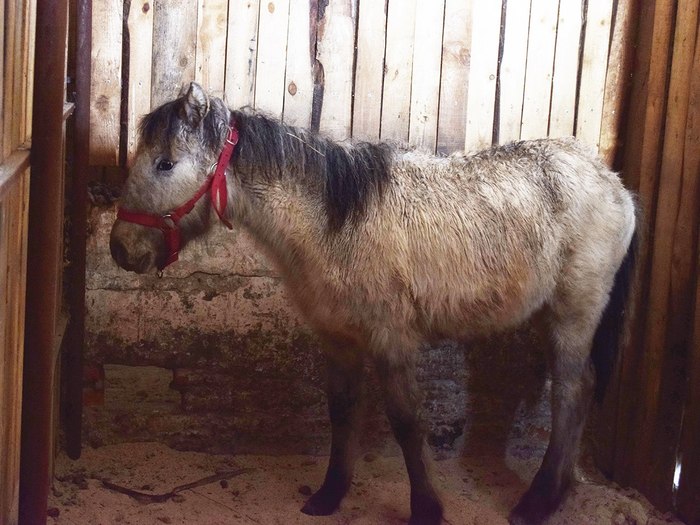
x: 168, y: 223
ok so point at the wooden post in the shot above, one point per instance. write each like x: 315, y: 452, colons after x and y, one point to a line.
x: 44, y: 253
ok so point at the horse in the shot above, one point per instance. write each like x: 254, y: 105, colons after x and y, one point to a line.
x: 382, y: 248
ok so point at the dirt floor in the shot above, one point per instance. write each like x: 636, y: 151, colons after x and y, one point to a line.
x: 271, y: 490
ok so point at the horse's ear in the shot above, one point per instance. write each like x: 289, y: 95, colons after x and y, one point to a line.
x: 195, y: 105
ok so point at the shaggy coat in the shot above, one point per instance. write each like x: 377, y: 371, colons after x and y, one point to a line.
x: 383, y: 248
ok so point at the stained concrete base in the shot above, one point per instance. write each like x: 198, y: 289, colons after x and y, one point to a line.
x: 476, y: 489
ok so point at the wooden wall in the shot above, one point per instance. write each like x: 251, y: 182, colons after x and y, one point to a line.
x: 16, y: 63
x: 442, y: 75
x: 657, y: 415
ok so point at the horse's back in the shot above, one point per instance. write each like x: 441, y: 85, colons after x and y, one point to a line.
x: 482, y: 241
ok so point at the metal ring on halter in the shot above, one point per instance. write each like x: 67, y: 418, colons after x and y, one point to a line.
x: 169, y: 217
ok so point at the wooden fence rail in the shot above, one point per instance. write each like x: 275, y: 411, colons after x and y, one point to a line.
x: 443, y: 75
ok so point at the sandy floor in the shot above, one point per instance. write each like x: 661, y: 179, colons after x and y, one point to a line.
x: 478, y: 490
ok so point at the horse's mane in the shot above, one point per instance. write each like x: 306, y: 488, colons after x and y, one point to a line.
x: 352, y: 174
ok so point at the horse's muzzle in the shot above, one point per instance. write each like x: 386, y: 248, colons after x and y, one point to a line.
x: 139, y: 264
x: 131, y: 252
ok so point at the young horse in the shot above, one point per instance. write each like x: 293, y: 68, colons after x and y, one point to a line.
x: 383, y: 248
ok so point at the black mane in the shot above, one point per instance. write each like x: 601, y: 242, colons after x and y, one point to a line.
x: 353, y: 175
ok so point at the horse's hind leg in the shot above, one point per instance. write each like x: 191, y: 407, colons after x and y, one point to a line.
x: 404, y: 406
x: 344, y: 390
x: 574, y: 318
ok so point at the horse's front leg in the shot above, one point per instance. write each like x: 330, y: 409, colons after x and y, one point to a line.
x: 344, y: 390
x: 404, y: 401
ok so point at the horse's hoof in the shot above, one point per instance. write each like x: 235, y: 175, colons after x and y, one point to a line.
x: 425, y: 520
x: 322, y: 503
x: 426, y: 512
x: 532, y: 511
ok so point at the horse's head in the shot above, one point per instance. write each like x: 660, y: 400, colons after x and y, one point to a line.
x: 166, y: 200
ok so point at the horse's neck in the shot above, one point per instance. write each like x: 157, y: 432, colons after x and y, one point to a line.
x: 287, y: 221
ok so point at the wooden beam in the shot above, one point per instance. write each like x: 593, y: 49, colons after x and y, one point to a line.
x: 483, y: 70
x: 211, y: 45
x: 106, y: 87
x: 369, y: 71
x: 425, y: 84
x: 454, y: 79
x: 511, y: 75
x: 540, y: 63
x: 140, y: 25
x: 398, y: 70
x: 299, y: 81
x: 566, y: 65
x: 642, y: 154
x: 175, y: 25
x: 44, y: 257
x: 336, y: 54
x: 593, y: 67
x: 241, y: 52
x: 272, y: 57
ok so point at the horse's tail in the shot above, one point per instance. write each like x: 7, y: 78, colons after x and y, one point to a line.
x: 609, y: 334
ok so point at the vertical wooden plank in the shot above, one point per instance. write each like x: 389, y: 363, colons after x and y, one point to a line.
x: 140, y: 24
x: 18, y: 98
x: 272, y: 57
x: 512, y: 70
x: 481, y: 98
x: 688, y: 493
x: 369, y: 71
x: 398, y: 70
x: 175, y: 32
x: 618, y: 78
x: 13, y: 240
x: 593, y: 67
x: 566, y: 62
x: 454, y: 78
x: 540, y: 62
x: 210, y: 59
x: 336, y: 54
x: 24, y: 33
x: 618, y: 84
x: 29, y: 73
x: 6, y: 474
x: 425, y: 85
x: 673, y: 256
x: 105, y: 87
x: 241, y: 52
x: 642, y: 148
x: 299, y: 92
x: 2, y: 81
x: 8, y: 77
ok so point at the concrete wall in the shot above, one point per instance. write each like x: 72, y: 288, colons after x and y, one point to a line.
x: 212, y: 357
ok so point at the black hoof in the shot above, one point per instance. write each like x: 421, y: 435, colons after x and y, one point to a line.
x: 425, y: 511
x: 533, y: 509
x: 322, y: 503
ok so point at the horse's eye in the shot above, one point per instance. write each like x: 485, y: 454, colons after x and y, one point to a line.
x: 165, y: 165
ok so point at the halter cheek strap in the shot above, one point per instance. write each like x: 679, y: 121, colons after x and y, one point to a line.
x: 168, y: 223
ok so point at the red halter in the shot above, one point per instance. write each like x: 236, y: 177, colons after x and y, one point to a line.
x: 168, y: 222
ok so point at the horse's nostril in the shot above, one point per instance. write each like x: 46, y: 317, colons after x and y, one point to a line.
x: 143, y: 263
x: 119, y: 253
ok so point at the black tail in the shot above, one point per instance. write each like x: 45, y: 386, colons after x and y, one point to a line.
x: 608, y: 336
